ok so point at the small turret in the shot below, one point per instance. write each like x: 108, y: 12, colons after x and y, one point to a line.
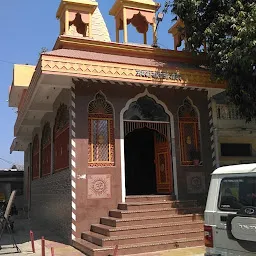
x: 139, y: 13
x: 76, y: 17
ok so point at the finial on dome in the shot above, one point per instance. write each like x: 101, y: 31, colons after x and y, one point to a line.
x: 140, y: 13
x: 76, y: 17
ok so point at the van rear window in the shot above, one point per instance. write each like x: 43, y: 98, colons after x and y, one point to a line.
x: 236, y: 193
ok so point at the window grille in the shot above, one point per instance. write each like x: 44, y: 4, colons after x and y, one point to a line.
x: 189, y: 134
x: 228, y: 112
x: 101, y: 132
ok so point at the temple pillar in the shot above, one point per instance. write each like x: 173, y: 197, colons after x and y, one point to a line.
x: 90, y: 25
x: 154, y: 33
x: 117, y: 32
x: 145, y: 37
x: 66, y: 21
x: 125, y: 26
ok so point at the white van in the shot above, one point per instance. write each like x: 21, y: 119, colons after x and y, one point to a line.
x: 230, y: 214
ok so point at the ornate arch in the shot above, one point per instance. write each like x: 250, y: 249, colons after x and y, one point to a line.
x: 101, y: 147
x: 146, y: 109
x: 35, y: 158
x: 122, y: 135
x: 62, y: 119
x: 46, y: 135
x: 190, y: 148
x: 187, y: 109
x: 100, y: 106
x: 61, y: 139
x: 46, y: 150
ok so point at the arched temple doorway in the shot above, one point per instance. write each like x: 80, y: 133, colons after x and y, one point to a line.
x: 147, y: 151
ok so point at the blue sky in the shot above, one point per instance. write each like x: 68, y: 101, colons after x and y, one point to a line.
x: 26, y: 27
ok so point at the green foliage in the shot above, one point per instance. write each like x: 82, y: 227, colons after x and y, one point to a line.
x: 228, y: 27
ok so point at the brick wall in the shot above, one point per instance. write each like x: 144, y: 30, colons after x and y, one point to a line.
x: 51, y: 203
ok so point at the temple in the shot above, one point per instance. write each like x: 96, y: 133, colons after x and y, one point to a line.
x: 117, y: 136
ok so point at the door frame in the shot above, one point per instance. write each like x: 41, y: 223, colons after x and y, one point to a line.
x: 171, y: 141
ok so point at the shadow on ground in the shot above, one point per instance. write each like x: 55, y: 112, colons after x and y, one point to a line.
x: 22, y: 227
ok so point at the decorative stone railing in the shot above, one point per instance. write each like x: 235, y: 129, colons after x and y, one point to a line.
x: 228, y: 112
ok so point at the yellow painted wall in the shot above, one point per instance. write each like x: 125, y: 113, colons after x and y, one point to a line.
x: 22, y: 75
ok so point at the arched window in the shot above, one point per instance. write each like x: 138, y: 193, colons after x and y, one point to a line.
x: 35, y: 158
x: 46, y: 150
x: 101, y: 132
x: 189, y: 134
x: 61, y: 139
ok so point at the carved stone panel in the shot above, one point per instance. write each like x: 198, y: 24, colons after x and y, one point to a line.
x: 99, y: 186
x: 195, y: 182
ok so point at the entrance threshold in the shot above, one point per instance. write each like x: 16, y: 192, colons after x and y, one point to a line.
x: 145, y: 198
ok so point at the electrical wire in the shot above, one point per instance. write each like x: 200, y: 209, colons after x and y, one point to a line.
x: 18, y: 166
x: 5, y: 61
x: 8, y: 162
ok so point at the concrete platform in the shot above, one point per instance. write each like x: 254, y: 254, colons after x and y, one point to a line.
x: 195, y: 251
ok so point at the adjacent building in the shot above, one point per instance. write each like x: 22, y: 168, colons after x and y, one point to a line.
x: 234, y: 138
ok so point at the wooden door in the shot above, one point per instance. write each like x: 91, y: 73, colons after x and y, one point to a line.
x: 163, y: 165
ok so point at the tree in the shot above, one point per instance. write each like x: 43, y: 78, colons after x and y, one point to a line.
x: 228, y: 29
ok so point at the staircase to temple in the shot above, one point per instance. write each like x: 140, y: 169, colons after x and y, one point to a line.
x: 145, y: 224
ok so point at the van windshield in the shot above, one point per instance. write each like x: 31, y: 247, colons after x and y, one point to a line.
x: 236, y: 193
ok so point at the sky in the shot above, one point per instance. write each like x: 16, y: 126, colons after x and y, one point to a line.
x: 28, y: 26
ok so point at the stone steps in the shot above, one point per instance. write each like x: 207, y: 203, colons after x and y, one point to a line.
x: 134, y: 206
x: 145, y: 224
x: 149, y: 220
x: 104, y: 241
x: 155, y: 198
x: 166, y: 227
x: 154, y: 212
x: 95, y: 250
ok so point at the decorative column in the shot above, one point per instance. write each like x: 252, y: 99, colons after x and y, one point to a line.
x: 73, y: 164
x: 117, y: 31
x: 212, y: 137
x: 66, y: 21
x: 125, y: 26
x: 90, y: 25
x: 145, y: 37
x: 154, y: 32
x: 216, y: 139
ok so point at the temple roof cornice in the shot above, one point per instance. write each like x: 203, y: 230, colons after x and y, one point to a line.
x: 138, y: 50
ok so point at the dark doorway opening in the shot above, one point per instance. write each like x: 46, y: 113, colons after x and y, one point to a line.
x: 140, y: 170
